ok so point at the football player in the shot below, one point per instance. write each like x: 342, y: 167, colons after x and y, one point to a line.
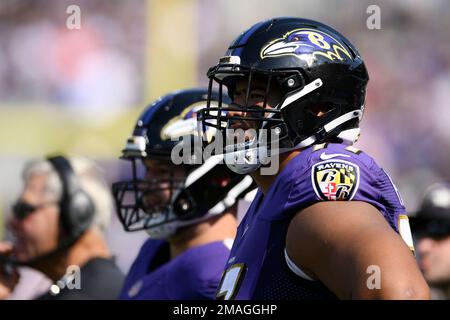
x: 187, y: 209
x: 329, y: 223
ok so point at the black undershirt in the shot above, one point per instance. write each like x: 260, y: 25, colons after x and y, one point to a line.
x: 101, y: 279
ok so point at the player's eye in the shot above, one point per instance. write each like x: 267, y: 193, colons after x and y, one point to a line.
x: 237, y: 94
x: 256, y: 96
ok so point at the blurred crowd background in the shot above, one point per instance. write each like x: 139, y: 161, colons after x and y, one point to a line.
x: 79, y: 91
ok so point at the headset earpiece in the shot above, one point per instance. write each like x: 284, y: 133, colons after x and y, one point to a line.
x: 76, y: 206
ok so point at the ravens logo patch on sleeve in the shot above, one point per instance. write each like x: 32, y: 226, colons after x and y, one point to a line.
x: 335, y: 179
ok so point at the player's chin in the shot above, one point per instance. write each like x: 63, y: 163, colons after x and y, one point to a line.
x: 242, y: 134
x: 153, y: 203
x: 242, y: 125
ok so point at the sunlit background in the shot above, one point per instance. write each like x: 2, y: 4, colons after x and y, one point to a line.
x: 80, y: 91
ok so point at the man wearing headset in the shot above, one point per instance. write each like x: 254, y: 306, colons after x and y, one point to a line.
x: 57, y: 226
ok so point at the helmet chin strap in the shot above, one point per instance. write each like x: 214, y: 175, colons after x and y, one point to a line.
x: 250, y: 165
x: 164, y: 231
x: 310, y: 87
x: 243, y: 161
x: 348, y: 136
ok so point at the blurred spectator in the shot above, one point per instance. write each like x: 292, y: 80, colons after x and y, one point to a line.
x: 431, y: 226
x: 58, y: 226
x: 91, y: 69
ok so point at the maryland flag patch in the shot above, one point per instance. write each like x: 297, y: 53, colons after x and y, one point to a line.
x: 335, y: 179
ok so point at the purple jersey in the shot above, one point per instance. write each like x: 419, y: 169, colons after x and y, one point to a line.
x: 192, y: 275
x: 142, y: 265
x: 258, y: 267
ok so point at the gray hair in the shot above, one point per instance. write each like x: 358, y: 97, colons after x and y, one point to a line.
x: 90, y: 178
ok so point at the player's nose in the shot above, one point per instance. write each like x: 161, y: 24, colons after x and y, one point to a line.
x: 239, y: 110
x: 235, y: 116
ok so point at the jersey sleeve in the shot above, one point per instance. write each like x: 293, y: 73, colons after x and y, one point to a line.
x: 197, y: 274
x: 343, y: 175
